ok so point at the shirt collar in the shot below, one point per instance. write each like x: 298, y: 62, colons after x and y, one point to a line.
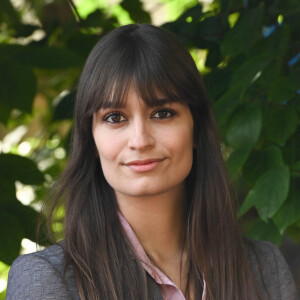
x: 153, y: 271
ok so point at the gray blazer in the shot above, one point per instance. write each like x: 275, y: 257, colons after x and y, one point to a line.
x: 38, y: 275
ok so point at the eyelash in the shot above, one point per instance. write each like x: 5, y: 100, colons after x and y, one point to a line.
x: 169, y: 112
x: 113, y: 114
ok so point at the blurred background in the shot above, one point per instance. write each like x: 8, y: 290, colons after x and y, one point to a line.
x: 248, y: 52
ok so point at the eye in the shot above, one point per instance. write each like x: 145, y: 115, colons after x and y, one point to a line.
x: 114, y: 117
x: 163, y: 114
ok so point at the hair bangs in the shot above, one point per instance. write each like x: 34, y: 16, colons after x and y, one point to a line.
x: 152, y: 86
x: 112, y: 85
x: 135, y: 62
x: 153, y: 77
x: 155, y: 89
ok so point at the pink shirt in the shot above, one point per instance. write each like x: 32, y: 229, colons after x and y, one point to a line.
x: 171, y: 291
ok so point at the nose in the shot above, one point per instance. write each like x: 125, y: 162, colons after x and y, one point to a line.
x: 141, y: 137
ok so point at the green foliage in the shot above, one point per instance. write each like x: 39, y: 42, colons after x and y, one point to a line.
x: 17, y: 88
x: 3, y: 276
x: 17, y: 221
x: 251, y: 71
x: 244, y: 127
x: 280, y: 123
x: 252, y: 75
x: 20, y: 168
x: 273, y: 184
x: 245, y: 32
x: 136, y: 12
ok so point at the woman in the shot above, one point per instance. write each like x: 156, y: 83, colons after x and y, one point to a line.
x: 149, y: 213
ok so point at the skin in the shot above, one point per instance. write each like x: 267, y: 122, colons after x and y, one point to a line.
x: 146, y: 153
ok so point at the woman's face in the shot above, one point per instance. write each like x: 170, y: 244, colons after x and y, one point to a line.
x: 144, y: 150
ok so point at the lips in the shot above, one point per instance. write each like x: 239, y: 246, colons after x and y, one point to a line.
x: 144, y: 165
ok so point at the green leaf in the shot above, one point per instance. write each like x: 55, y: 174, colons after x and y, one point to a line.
x: 209, y: 30
x: 22, y: 222
x: 4, y: 111
x: 237, y: 160
x: 244, y: 126
x: 280, y: 122
x: 64, y: 106
x: 20, y: 168
x: 247, y: 204
x: 282, y: 90
x: 225, y: 107
x: 224, y: 5
x: 294, y: 74
x: 213, y: 57
x: 265, y: 231
x: 296, y: 169
x: 290, y: 151
x: 136, y: 11
x: 293, y: 232
x: 48, y: 57
x: 245, y: 32
x: 289, y: 8
x: 182, y: 30
x: 289, y: 213
x: 8, y: 13
x: 28, y: 217
x: 8, y: 51
x: 217, y: 82
x: 248, y: 72
x: 95, y: 19
x: 11, y: 236
x: 40, y: 56
x: 269, y: 192
x: 99, y: 18
x: 275, y: 46
x: 7, y: 188
x: 3, y: 295
x: 261, y: 161
x: 296, y: 103
x: 81, y: 43
x: 17, y: 86
x: 25, y: 30
x: 269, y: 74
x: 194, y: 12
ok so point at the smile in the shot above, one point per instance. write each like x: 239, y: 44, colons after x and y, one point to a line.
x: 144, y: 165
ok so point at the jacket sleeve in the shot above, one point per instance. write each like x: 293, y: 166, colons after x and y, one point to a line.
x: 287, y: 285
x: 32, y: 277
x: 272, y: 274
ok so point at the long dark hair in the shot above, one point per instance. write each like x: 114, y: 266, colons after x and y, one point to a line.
x: 106, y: 267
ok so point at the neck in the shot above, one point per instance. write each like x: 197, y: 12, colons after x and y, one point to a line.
x: 158, y: 222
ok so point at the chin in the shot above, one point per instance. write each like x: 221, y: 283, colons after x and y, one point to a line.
x: 142, y: 191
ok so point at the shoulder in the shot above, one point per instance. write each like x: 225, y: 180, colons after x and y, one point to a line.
x: 270, y: 270
x: 40, y: 275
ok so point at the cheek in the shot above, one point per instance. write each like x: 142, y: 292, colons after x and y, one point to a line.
x: 107, y: 146
x: 181, y: 141
x: 180, y: 145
